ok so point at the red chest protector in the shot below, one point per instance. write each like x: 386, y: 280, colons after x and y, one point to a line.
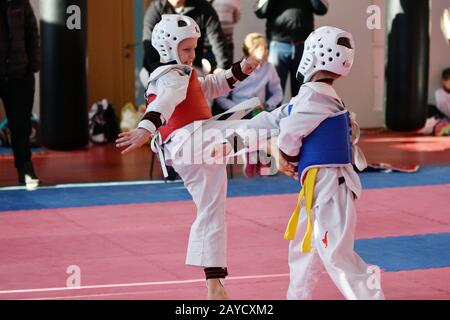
x: 193, y: 108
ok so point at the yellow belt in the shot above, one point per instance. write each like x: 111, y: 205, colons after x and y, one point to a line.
x: 307, y: 192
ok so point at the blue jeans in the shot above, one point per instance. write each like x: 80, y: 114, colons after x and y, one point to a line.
x: 286, y: 58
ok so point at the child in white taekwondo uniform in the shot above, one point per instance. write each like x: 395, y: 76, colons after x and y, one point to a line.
x: 176, y: 116
x: 319, y: 135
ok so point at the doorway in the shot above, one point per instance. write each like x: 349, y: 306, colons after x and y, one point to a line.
x: 111, y: 56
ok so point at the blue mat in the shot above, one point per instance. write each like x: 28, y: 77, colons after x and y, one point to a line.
x: 129, y: 194
x: 8, y: 151
x: 406, y: 253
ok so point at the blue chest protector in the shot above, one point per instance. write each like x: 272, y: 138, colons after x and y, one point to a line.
x: 328, y: 145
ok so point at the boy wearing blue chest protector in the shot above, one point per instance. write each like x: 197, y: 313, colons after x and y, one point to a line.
x: 318, y: 136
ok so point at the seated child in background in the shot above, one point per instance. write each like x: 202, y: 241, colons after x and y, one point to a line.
x: 438, y: 118
x: 263, y: 83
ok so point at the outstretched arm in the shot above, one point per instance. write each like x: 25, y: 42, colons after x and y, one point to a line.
x: 219, y: 84
x: 163, y: 97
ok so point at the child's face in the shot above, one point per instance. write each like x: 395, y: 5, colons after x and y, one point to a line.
x: 186, y: 51
x: 260, y: 53
x: 446, y: 84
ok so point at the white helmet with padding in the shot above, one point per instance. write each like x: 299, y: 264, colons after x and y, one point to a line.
x: 169, y: 32
x: 327, y: 49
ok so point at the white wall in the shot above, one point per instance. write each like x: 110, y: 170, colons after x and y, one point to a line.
x: 357, y: 90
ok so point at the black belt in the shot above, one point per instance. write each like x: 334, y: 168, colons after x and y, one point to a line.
x: 342, y: 181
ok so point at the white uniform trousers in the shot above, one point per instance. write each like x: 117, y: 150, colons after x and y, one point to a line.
x: 207, y: 185
x: 332, y: 248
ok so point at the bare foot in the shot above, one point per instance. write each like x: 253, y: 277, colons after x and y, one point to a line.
x: 216, y: 290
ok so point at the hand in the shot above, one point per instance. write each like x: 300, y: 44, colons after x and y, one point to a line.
x: 221, y: 150
x: 286, y: 167
x: 133, y: 140
x: 249, y: 64
x: 217, y: 70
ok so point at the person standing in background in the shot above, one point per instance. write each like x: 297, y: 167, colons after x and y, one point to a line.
x: 289, y: 23
x: 229, y: 12
x: 19, y: 60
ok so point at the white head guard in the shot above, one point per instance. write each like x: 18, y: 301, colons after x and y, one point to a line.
x: 329, y: 49
x: 169, y: 32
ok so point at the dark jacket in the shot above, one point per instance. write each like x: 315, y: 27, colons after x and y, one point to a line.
x: 205, y: 16
x: 289, y: 20
x: 19, y: 39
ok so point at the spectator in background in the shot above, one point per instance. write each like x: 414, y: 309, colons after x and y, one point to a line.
x: 229, y: 12
x: 263, y: 83
x: 19, y: 60
x: 442, y: 94
x: 438, y: 121
x: 289, y: 23
x: 205, y: 16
